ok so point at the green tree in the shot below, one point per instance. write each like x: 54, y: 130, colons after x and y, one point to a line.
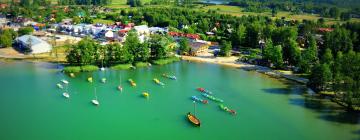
x: 25, y: 31
x: 83, y: 53
x: 334, y: 12
x: 294, y: 53
x: 238, y: 37
x: 141, y: 52
x: 5, y: 40
x: 76, y: 20
x: 327, y: 57
x: 225, y: 49
x: 320, y: 77
x: 159, y: 46
x: 273, y: 54
x: 310, y: 56
x: 338, y: 40
x: 184, y: 47
x: 253, y: 35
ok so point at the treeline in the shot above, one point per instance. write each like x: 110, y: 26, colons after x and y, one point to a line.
x: 139, y: 3
x: 84, y: 2
x: 89, y: 52
x: 50, y: 14
x: 33, y: 3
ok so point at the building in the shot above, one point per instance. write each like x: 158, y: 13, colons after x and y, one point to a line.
x: 198, y: 47
x: 33, y: 44
x: 177, y: 35
x: 3, y: 5
x: 142, y: 30
x: 158, y: 30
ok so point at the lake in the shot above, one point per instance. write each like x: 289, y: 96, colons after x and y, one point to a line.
x: 32, y: 107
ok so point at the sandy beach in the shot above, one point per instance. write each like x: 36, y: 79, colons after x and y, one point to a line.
x: 231, y: 62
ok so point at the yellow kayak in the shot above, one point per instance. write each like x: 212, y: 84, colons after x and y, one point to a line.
x: 90, y: 79
x: 132, y: 83
x: 145, y: 94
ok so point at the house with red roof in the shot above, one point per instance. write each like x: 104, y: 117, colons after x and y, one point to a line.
x: 190, y: 36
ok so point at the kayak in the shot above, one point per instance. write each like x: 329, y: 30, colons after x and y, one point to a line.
x: 145, y: 94
x: 157, y: 81
x: 90, y: 79
x: 72, y: 75
x: 212, y: 98
x: 132, y: 83
x: 65, y: 82
x: 199, y: 99
x: 170, y: 76
x: 59, y: 86
x: 233, y: 112
x: 192, y: 119
x: 103, y: 80
x: 204, y: 91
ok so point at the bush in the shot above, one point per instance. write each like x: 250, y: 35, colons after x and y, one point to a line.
x: 166, y: 60
x: 122, y: 66
x: 25, y: 30
x: 72, y: 69
x: 88, y: 68
x: 141, y: 64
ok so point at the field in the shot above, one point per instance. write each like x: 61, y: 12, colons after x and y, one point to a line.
x: 237, y: 11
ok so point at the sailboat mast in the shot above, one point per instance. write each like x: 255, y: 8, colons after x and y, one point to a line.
x: 95, y: 94
x: 194, y: 107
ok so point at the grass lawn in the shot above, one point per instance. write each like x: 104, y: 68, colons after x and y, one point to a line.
x: 122, y: 66
x: 102, y: 21
x: 166, y: 60
x: 238, y: 11
x: 141, y: 64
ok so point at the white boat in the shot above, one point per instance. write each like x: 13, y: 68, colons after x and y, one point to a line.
x: 120, y: 87
x: 65, y: 82
x: 103, y: 80
x: 102, y: 66
x: 95, y: 101
x: 66, y: 95
x: 59, y: 86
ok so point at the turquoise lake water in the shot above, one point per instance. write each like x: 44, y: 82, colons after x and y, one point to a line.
x: 32, y: 107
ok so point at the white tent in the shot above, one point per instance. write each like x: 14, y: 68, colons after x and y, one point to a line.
x: 109, y: 34
x: 35, y: 44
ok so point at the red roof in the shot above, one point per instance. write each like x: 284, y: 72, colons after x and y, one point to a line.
x: 123, y: 31
x: 325, y: 29
x: 3, y: 5
x: 192, y: 36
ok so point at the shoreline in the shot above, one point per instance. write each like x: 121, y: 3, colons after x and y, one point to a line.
x: 231, y: 62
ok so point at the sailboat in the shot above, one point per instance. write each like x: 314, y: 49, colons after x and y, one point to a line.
x: 192, y: 118
x: 95, y: 101
x: 102, y: 66
x: 120, y: 88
